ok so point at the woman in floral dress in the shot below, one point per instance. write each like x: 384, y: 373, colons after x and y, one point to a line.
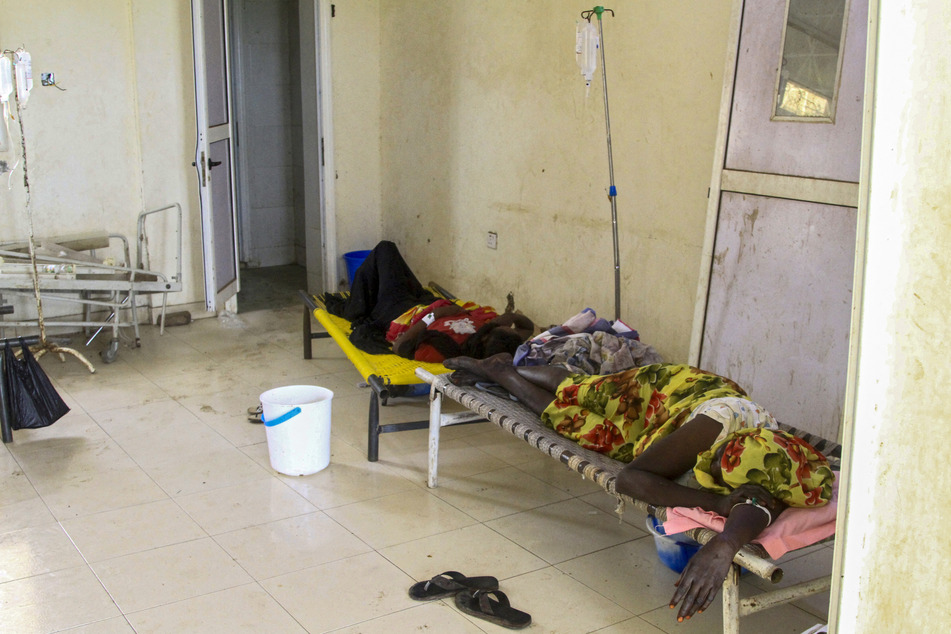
x: 673, y: 423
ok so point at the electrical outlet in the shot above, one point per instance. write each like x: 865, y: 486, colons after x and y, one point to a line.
x: 492, y: 240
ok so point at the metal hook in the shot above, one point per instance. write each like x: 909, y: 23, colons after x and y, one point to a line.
x: 596, y: 11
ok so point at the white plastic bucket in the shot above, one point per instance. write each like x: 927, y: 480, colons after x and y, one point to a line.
x: 297, y: 422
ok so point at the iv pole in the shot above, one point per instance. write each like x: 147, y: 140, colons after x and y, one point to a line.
x: 612, y: 191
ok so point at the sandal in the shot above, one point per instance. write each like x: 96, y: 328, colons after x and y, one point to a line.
x: 255, y: 413
x: 449, y: 583
x: 498, y: 610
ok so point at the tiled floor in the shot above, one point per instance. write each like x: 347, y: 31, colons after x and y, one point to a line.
x: 152, y: 507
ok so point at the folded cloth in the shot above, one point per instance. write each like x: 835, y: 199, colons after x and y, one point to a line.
x: 587, y: 344
x: 794, y: 528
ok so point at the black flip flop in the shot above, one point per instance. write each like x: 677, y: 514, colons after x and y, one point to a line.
x: 480, y: 603
x: 449, y: 583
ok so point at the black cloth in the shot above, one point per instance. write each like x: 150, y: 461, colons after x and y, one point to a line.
x: 384, y: 287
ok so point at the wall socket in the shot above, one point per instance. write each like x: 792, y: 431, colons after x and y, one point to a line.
x: 492, y: 240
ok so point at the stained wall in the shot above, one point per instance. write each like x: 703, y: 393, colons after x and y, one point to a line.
x: 487, y: 125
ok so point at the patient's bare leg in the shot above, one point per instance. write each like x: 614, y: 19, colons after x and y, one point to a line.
x: 536, y: 391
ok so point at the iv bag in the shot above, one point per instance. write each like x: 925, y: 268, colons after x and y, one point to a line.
x: 7, y: 154
x: 24, y: 75
x: 586, y: 50
x: 6, y: 78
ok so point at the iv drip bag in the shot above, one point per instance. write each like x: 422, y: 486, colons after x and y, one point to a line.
x: 586, y: 50
x: 6, y: 78
x: 24, y: 75
x: 7, y: 156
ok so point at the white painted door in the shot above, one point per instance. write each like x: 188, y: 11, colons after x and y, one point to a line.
x: 214, y: 151
x: 779, y: 301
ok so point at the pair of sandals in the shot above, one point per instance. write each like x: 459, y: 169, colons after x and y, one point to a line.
x: 477, y: 596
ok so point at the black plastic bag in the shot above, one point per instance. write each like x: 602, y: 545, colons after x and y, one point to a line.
x: 33, y: 400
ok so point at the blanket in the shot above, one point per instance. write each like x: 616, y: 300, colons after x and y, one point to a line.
x: 795, y: 528
x: 384, y: 287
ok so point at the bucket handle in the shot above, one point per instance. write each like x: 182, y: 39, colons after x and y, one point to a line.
x: 286, y: 416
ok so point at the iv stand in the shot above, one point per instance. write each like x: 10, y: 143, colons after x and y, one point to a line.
x: 612, y: 191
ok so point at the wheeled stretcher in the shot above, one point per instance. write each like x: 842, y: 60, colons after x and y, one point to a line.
x: 105, y: 289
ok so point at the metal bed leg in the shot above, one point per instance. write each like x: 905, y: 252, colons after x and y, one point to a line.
x: 308, y: 349
x: 435, y: 420
x: 6, y: 419
x: 731, y: 601
x: 373, y: 431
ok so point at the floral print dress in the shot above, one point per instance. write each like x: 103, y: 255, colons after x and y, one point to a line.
x: 622, y: 414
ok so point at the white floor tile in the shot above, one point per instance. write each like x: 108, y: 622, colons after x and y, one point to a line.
x: 246, y: 608
x: 54, y: 601
x: 288, y: 545
x: 131, y: 529
x: 153, y: 504
x: 160, y: 576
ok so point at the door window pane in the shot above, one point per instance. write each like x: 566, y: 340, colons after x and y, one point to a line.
x: 809, y: 69
x: 216, y: 68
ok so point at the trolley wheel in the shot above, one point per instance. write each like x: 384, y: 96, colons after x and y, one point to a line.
x: 109, y: 354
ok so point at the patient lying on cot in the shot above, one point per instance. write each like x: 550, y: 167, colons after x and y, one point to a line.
x: 667, y: 421
x: 390, y: 311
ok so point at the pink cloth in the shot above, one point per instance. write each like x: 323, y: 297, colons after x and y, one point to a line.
x: 795, y: 528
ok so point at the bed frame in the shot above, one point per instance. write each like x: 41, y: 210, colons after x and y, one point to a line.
x: 387, y: 375
x: 522, y: 423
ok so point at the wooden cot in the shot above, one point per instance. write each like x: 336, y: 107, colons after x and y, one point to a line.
x: 522, y: 423
x: 387, y: 375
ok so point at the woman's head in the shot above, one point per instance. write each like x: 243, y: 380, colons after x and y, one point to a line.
x: 788, y: 467
x: 491, y: 339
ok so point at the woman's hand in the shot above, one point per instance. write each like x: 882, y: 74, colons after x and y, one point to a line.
x: 706, y: 570
x: 703, y: 576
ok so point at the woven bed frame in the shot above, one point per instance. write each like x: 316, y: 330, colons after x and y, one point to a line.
x: 524, y: 424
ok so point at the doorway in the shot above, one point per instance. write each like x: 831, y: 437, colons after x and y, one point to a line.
x: 266, y: 49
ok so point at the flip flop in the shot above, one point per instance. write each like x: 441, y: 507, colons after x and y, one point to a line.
x: 498, y: 610
x: 449, y: 583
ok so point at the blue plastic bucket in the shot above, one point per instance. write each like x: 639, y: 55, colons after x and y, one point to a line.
x: 674, y: 550
x: 354, y: 259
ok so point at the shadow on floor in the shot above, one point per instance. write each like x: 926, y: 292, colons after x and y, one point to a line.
x: 270, y: 287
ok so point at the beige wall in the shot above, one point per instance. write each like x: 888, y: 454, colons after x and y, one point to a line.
x: 486, y: 126
x: 896, y: 548
x: 120, y: 137
x: 355, y: 56
x: 450, y: 120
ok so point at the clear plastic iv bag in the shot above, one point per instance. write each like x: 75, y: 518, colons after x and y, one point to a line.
x: 586, y: 50
x: 7, y: 154
x: 24, y: 74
